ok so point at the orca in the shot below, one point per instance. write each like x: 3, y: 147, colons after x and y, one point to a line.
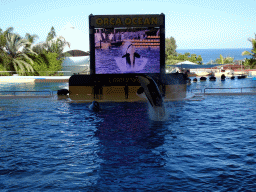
x: 130, y: 55
x: 141, y: 93
x: 152, y: 94
x: 62, y: 92
x: 95, y: 106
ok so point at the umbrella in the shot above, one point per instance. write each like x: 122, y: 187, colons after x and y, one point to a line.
x: 191, y: 66
x: 77, y: 53
x: 186, y: 63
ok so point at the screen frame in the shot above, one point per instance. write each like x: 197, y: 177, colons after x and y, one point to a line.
x: 94, y: 25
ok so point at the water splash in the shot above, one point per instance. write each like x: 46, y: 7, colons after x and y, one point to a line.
x: 140, y: 63
x: 158, y: 115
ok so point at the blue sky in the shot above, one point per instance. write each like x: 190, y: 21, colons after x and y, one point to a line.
x: 194, y: 24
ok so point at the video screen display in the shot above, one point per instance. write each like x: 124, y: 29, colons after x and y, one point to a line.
x: 127, y: 50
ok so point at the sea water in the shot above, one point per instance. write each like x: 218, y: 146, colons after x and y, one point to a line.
x: 53, y: 145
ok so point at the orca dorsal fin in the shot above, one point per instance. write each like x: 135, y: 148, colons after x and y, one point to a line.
x: 126, y: 55
x: 136, y: 55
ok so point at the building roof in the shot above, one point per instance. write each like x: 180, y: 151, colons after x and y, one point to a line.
x: 186, y: 63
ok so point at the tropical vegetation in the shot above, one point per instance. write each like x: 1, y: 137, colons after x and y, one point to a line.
x: 224, y: 60
x: 170, y: 47
x: 251, y: 63
x: 172, y: 57
x: 26, y: 58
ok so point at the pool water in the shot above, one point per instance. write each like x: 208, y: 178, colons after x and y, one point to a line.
x: 49, y: 144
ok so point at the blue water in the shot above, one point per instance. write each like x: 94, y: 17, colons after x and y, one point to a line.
x: 52, y: 145
x: 209, y: 55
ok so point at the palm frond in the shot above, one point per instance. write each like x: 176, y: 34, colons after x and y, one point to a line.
x: 221, y: 59
x: 18, y: 64
x: 31, y: 38
x: 246, y: 53
x: 15, y: 65
x: 27, y: 65
x: 26, y: 57
x: 39, y: 48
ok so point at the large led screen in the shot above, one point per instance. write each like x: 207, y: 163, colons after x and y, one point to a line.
x: 127, y: 50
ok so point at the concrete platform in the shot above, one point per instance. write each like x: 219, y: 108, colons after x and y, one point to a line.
x: 24, y: 96
x: 34, y: 79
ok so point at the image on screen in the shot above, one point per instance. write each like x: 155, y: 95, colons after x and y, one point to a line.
x: 127, y: 50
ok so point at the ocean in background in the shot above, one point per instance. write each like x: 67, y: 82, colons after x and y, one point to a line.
x: 209, y: 55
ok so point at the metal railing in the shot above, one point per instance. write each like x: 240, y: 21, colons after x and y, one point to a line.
x: 196, y: 89
x: 241, y: 88
x: 14, y: 92
x: 204, y: 90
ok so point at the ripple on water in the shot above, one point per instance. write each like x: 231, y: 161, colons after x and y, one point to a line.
x: 50, y: 145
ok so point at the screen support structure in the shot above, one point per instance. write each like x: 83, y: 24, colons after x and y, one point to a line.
x: 92, y: 46
x: 162, y: 46
x: 126, y: 21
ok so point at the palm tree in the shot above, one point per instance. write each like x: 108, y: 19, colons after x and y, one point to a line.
x: 18, y: 48
x: 31, y: 38
x: 51, y: 34
x: 224, y: 60
x: 3, y: 35
x: 253, y: 51
x: 52, y: 44
x: 4, y: 57
x: 221, y: 59
x: 39, y: 48
x: 57, y: 46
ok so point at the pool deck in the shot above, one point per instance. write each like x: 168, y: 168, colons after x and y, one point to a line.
x: 34, y: 79
x: 24, y: 96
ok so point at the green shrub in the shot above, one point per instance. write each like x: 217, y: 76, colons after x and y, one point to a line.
x: 54, y: 64
x: 2, y: 68
x: 46, y: 64
x: 5, y: 60
x: 250, y: 63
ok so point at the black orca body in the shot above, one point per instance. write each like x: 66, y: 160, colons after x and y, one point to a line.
x: 62, y: 92
x: 95, y: 106
x: 152, y: 94
x: 130, y: 55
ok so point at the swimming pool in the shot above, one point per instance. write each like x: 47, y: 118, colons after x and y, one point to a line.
x: 49, y: 144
